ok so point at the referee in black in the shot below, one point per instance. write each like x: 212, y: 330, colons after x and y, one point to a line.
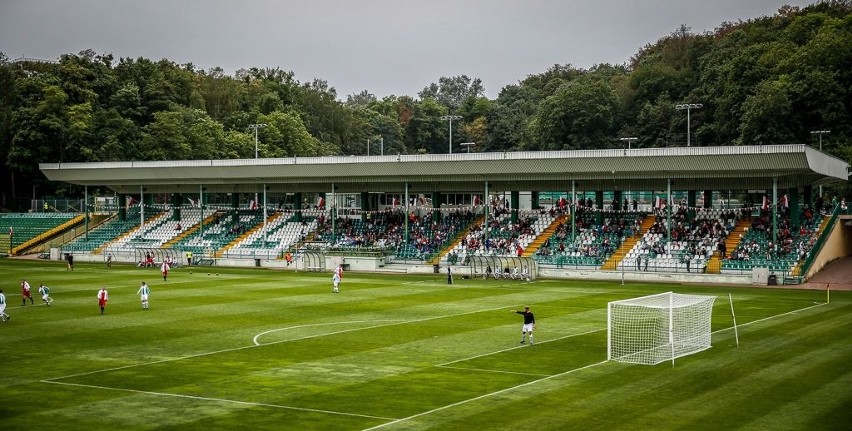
x: 529, y: 324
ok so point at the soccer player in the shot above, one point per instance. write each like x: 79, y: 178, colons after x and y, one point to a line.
x: 25, y: 292
x: 103, y: 297
x: 143, y: 293
x: 449, y: 274
x: 164, y: 268
x: 335, y: 279
x: 529, y: 324
x: 3, y: 316
x: 45, y: 294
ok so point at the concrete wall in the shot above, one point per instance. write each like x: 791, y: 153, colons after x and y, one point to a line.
x: 837, y: 245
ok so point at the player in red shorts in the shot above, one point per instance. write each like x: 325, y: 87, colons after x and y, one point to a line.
x: 25, y: 292
x: 103, y: 297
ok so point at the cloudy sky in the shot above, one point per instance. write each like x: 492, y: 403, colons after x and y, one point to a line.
x: 383, y: 46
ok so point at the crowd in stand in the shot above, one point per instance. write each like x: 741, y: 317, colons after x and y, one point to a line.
x: 592, y: 240
x: 793, y: 242
x: 386, y: 228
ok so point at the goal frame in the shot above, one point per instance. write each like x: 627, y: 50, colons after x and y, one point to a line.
x: 670, y: 331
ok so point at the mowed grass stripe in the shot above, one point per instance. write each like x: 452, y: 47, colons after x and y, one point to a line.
x: 617, y: 396
x: 389, y: 371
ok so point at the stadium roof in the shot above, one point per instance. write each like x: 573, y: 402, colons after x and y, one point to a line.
x: 689, y: 168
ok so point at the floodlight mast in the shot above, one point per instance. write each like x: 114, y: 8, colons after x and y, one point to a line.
x: 450, y: 118
x: 255, y: 127
x: 688, y: 107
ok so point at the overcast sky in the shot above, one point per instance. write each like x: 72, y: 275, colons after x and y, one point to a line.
x: 383, y: 46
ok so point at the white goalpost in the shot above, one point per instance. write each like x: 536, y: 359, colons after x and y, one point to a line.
x: 656, y: 328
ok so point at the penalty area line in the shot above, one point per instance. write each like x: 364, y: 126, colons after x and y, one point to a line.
x: 490, y: 394
x: 218, y: 400
x: 518, y: 347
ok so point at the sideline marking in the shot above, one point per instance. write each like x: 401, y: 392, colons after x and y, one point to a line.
x: 221, y: 400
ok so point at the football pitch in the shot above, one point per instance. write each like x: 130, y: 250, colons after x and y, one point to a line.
x: 227, y: 348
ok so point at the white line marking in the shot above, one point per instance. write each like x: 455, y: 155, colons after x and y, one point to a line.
x: 553, y: 376
x: 519, y: 347
x: 317, y: 324
x: 234, y: 349
x: 221, y: 400
x: 492, y: 371
x: 771, y: 317
x: 395, y: 421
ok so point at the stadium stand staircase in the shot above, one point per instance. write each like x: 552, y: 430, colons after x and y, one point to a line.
x: 455, y: 242
x: 269, y: 220
x: 192, y: 229
x: 151, y: 219
x: 714, y: 265
x: 612, y: 261
x: 545, y: 235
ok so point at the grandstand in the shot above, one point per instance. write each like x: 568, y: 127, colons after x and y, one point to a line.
x: 662, y: 210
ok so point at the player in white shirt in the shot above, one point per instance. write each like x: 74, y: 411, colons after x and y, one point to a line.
x: 335, y: 279
x: 45, y: 294
x: 143, y: 293
x: 3, y: 316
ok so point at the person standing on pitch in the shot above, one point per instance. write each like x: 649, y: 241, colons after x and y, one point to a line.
x: 25, y: 292
x: 45, y: 294
x: 335, y: 279
x: 164, y: 268
x: 529, y: 324
x: 103, y: 297
x: 449, y: 274
x: 143, y: 293
x: 3, y: 316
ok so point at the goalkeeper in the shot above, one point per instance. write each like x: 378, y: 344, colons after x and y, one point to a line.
x: 529, y: 324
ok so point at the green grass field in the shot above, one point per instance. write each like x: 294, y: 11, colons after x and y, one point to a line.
x: 261, y: 349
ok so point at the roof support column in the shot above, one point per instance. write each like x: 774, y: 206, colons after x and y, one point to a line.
x: 86, y: 204
x: 333, y: 214
x: 599, y: 204
x: 264, y: 216
x: 774, y: 213
x: 669, y: 210
x: 297, y: 197
x: 690, y: 204
x: 708, y: 199
x: 486, y: 203
x: 121, y: 202
x: 365, y: 206
x: 405, y: 241
x: 515, y: 196
x: 201, y: 207
x: 141, y: 207
x: 436, y: 207
x: 573, y: 211
x: 793, y: 206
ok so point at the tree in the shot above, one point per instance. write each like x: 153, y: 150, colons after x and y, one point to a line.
x: 580, y: 115
x: 451, y: 92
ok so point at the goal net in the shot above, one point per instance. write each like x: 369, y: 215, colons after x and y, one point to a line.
x: 656, y: 328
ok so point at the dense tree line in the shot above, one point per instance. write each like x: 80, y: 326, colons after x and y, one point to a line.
x: 770, y: 80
